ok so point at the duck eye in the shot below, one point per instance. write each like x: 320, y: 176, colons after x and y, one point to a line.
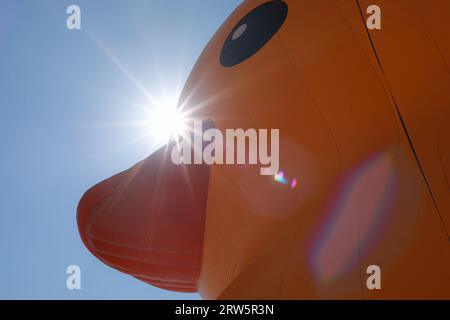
x: 253, y: 32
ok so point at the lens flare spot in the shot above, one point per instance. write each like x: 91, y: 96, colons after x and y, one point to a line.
x: 294, y: 183
x: 367, y: 192
x: 279, y: 177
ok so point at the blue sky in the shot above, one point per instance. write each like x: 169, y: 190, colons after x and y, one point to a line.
x: 63, y: 106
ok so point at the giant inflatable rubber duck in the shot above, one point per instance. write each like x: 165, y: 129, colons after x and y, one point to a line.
x: 364, y: 182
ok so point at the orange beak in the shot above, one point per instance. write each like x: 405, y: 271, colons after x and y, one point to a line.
x: 149, y: 221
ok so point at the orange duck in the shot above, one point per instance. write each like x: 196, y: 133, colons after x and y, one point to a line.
x: 364, y: 120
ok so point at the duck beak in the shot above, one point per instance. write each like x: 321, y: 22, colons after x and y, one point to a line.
x: 149, y: 221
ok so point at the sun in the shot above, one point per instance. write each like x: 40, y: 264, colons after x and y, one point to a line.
x: 166, y: 122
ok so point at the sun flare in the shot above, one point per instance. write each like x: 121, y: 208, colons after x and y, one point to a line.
x: 166, y: 122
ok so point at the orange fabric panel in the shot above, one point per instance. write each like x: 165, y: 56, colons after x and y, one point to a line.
x: 413, y: 50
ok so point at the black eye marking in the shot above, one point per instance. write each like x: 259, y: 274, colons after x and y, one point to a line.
x: 253, y: 32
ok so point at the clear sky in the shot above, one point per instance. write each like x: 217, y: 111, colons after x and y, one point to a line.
x: 66, y: 114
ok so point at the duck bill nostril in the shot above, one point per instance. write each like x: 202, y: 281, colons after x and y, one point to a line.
x: 149, y: 221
